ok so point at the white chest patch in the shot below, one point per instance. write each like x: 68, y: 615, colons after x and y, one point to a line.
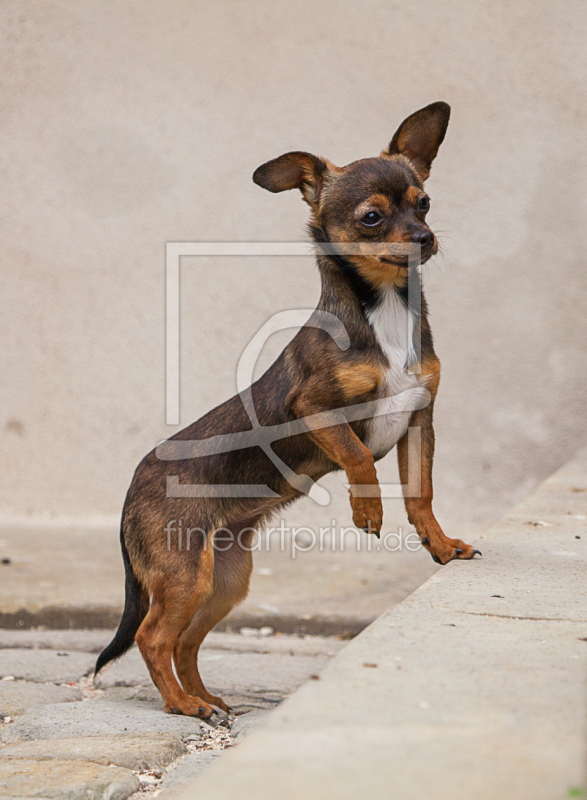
x: 404, y: 392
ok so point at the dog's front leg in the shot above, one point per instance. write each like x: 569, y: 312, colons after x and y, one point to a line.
x: 415, y: 470
x: 343, y: 446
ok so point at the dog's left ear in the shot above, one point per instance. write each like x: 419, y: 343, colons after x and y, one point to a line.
x: 295, y: 170
x: 420, y: 135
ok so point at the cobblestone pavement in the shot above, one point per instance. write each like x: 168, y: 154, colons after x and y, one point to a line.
x: 63, y: 737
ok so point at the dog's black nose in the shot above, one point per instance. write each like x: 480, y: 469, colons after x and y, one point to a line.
x: 423, y: 238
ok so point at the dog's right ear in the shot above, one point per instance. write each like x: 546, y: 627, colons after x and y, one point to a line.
x: 295, y: 170
x: 420, y: 135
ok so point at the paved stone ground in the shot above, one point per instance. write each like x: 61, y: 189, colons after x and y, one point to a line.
x: 63, y: 737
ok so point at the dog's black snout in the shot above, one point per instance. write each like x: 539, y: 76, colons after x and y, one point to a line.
x: 423, y: 238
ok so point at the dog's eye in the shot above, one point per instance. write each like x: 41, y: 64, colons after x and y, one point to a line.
x: 424, y: 203
x: 371, y: 219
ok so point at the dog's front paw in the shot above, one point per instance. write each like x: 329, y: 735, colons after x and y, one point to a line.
x: 445, y: 550
x: 367, y: 513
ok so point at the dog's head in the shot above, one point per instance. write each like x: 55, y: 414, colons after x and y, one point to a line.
x: 374, y: 209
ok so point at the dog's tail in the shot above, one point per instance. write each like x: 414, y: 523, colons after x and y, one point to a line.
x: 136, y: 605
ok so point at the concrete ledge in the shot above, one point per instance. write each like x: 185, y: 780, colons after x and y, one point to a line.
x: 473, y: 687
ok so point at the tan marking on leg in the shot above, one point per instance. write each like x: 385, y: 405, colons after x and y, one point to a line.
x: 232, y: 571
x: 358, y: 379
x: 173, y: 604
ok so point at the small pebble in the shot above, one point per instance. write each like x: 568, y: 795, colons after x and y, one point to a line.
x: 264, y: 631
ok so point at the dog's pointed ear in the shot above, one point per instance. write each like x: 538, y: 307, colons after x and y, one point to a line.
x: 295, y: 170
x: 420, y: 135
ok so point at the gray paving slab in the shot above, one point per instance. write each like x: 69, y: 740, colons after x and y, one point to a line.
x: 97, y: 717
x: 123, y: 694
x: 16, y: 697
x: 226, y: 671
x: 276, y: 644
x: 258, y: 672
x: 65, y: 780
x: 130, y: 670
x: 59, y: 666
x: 455, y: 693
x: 134, y: 752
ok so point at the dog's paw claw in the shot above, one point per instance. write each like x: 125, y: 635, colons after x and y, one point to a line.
x: 478, y: 552
x: 219, y: 714
x: 370, y: 530
x: 458, y: 551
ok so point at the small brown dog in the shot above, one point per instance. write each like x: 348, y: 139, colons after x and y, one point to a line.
x: 366, y: 219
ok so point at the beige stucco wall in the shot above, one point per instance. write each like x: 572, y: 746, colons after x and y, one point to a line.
x: 126, y: 125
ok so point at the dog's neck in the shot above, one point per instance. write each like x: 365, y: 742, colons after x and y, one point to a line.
x: 342, y: 283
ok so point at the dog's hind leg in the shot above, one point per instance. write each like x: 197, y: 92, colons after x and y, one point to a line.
x: 232, y: 571
x: 188, y: 644
x: 173, y: 604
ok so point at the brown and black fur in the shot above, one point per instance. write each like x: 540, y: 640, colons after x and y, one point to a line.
x: 174, y: 597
